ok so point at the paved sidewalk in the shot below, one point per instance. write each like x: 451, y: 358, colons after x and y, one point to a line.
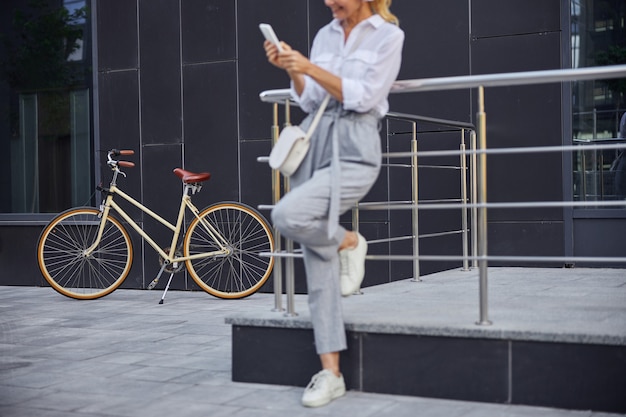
x: 126, y: 355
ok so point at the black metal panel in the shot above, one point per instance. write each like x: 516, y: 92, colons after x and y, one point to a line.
x: 162, y: 192
x: 160, y: 91
x: 119, y: 127
x: 526, y: 239
x: 436, y: 45
x: 210, y: 107
x: 117, y: 34
x: 135, y: 279
x: 18, y: 255
x: 256, y: 177
x: 208, y: 30
x: 519, y: 117
x: 509, y: 17
x: 289, y: 19
x: 119, y: 110
x: 436, y: 38
x: 292, y: 346
x: 285, y: 356
x: 600, y: 237
x: 569, y: 376
x: 436, y: 367
x: 530, y: 52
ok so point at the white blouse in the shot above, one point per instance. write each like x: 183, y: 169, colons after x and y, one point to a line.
x: 367, y: 73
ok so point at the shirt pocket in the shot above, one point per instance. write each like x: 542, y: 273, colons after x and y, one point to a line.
x: 327, y: 61
x: 356, y: 65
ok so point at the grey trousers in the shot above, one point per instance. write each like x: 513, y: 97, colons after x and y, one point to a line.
x: 302, y: 216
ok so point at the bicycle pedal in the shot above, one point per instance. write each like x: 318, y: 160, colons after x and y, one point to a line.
x: 153, y: 284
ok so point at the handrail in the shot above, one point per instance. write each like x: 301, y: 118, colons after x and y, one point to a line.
x: 508, y: 79
x: 479, y: 153
x: 484, y: 80
x: 432, y: 120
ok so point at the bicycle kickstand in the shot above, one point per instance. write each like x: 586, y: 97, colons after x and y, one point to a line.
x: 156, y: 280
x: 167, y: 287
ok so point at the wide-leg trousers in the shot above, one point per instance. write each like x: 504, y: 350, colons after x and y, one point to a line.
x: 302, y: 216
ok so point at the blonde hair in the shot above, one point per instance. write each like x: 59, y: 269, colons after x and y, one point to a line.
x: 381, y: 7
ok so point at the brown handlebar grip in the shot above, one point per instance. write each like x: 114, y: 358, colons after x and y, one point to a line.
x: 127, y: 152
x: 126, y: 164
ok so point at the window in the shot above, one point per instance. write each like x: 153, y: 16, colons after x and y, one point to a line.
x: 45, y: 92
x: 598, y: 38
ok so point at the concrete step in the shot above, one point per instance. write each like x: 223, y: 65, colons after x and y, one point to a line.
x: 557, y: 339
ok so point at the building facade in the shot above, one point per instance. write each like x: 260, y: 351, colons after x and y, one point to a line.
x: 178, y: 81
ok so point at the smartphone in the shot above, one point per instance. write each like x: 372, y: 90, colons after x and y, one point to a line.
x: 269, y: 34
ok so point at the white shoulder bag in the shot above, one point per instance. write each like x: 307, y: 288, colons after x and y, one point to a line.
x: 293, y: 144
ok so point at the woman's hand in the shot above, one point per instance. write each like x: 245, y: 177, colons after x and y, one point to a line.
x: 289, y: 59
x: 271, y: 51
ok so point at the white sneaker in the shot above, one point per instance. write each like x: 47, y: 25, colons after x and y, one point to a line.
x: 352, y: 264
x: 323, y: 388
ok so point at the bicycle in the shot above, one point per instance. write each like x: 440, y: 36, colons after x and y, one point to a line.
x: 86, y: 252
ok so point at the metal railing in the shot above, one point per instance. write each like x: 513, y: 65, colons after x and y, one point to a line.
x: 479, y: 204
x: 445, y: 126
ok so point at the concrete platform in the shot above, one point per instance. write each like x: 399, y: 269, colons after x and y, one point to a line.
x: 557, y: 339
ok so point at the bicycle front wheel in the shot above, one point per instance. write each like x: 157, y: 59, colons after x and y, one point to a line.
x: 65, y: 264
x: 246, y: 234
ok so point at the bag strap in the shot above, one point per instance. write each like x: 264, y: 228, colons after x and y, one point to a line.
x: 317, y: 117
x: 322, y: 107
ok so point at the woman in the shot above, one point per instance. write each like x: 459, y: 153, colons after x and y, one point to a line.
x: 355, y: 58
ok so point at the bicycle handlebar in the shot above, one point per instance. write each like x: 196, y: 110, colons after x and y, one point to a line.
x: 114, y: 164
x: 116, y: 152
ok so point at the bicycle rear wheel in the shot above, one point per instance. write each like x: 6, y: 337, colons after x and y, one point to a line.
x: 246, y: 232
x: 62, y: 260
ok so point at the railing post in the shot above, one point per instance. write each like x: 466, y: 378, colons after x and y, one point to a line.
x: 463, y: 166
x: 289, y: 267
x: 355, y: 227
x: 414, y: 211
x: 278, y: 263
x: 474, y: 198
x: 482, y: 211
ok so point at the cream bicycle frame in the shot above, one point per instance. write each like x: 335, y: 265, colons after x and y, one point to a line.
x: 168, y: 257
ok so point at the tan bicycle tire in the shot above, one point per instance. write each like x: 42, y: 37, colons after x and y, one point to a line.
x: 60, y: 254
x: 243, y: 272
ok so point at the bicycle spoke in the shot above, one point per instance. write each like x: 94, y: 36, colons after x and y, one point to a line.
x: 246, y: 234
x: 63, y: 255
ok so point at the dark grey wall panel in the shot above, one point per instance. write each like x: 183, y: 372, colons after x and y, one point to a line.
x: 207, y: 30
x: 289, y: 19
x: 117, y: 34
x: 436, y: 38
x: 600, y: 237
x: 530, y: 52
x: 508, y: 17
x: 256, y: 177
x: 522, y: 116
x: 585, y: 377
x: 161, y: 191
x: 159, y: 34
x: 292, y: 346
x: 119, y: 110
x: 210, y: 107
x: 432, y: 367
x: 436, y: 45
x: 526, y: 239
x: 18, y: 255
x: 119, y: 127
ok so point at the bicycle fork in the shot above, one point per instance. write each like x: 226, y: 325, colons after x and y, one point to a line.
x: 104, y: 214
